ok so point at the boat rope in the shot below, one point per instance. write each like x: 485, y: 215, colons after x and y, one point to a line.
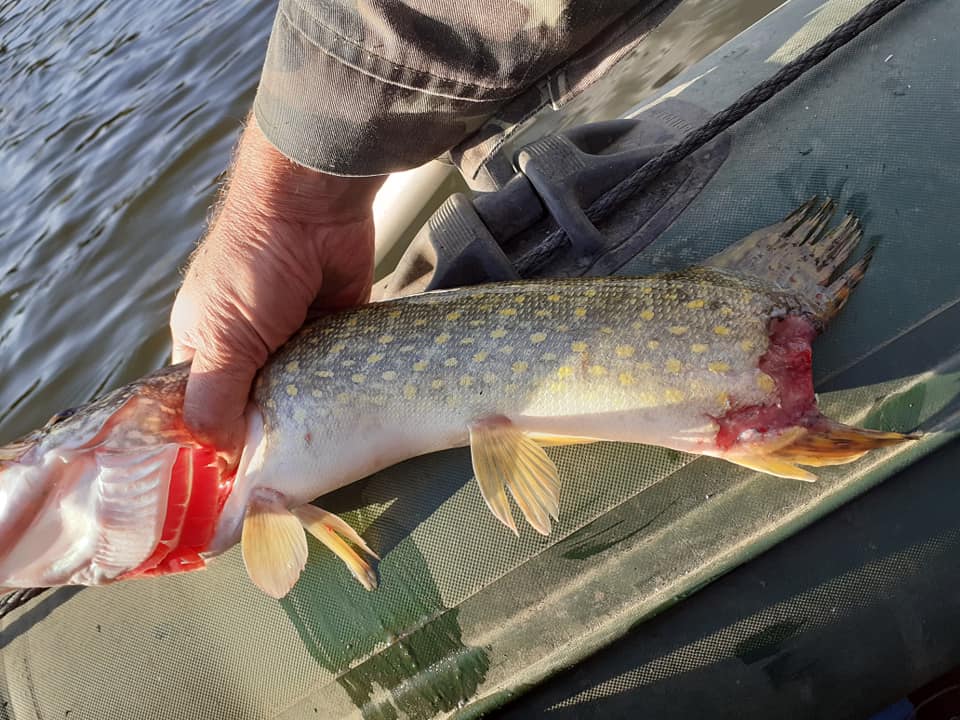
x: 613, y: 198
x: 535, y: 259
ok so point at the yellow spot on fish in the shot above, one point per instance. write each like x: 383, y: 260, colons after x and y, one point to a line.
x: 406, y: 348
x: 695, y: 304
x: 292, y: 390
x: 747, y: 296
x: 597, y: 370
x: 409, y: 391
x: 436, y: 384
x: 389, y: 375
x: 578, y: 347
x: 466, y: 381
x: 507, y: 312
x: 646, y: 314
x: 394, y: 314
x: 271, y: 403
x: 721, y: 330
x: 316, y: 393
x: 498, y: 333
x: 673, y: 365
x: 564, y: 371
x: 678, y: 329
x: 480, y: 356
x: 385, y: 339
x: 549, y: 356
x: 441, y: 338
x: 724, y: 399
x: 538, y: 337
x: 351, y: 322
x: 553, y: 298
x: 489, y: 378
x: 452, y: 401
x: 466, y: 341
x: 450, y: 362
x: 745, y: 345
x: 699, y: 348
x: 726, y: 311
x: 420, y: 366
x: 344, y: 397
x: 338, y: 347
x: 477, y: 323
x: 455, y: 315
x: 718, y: 367
x: 563, y: 327
x: 673, y: 395
x: 375, y: 358
x: 647, y: 290
x: 519, y: 299
x: 766, y: 383
x: 625, y: 351
x: 510, y: 388
x: 591, y: 293
x: 541, y: 313
x: 358, y: 378
x: 323, y: 373
x: 420, y: 322
x: 626, y: 379
x: 606, y: 330
x: 348, y: 363
x: 506, y: 349
x: 580, y: 312
x: 292, y: 366
x: 653, y: 344
x: 519, y: 366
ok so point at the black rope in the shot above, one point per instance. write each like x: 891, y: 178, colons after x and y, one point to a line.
x: 536, y: 258
x: 11, y: 601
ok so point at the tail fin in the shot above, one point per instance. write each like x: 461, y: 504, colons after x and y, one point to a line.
x: 799, y: 254
x: 825, y: 442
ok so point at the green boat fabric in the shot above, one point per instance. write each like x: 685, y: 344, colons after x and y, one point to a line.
x: 468, y: 616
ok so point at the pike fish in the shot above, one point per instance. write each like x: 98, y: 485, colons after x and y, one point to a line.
x: 714, y: 360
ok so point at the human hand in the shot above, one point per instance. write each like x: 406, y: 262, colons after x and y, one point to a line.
x: 286, y: 238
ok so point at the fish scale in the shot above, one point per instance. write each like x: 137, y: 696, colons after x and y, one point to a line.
x: 543, y: 348
x: 714, y: 360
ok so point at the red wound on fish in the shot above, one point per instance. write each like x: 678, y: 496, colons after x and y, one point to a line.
x: 197, y: 495
x: 789, y: 362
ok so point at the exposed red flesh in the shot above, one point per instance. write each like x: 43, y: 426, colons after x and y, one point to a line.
x: 197, y: 495
x: 789, y: 361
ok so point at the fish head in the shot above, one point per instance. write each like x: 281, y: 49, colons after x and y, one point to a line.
x: 114, y: 488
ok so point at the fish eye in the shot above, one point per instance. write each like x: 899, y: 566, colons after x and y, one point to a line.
x: 61, y: 416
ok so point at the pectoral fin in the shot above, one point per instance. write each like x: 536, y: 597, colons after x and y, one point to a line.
x: 274, y: 545
x: 334, y: 532
x: 504, y: 457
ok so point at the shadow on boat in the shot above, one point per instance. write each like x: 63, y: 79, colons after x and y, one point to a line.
x: 36, y: 611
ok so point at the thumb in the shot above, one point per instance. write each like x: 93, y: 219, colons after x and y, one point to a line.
x: 215, y: 401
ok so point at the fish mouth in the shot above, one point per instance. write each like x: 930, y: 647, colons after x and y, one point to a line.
x: 15, y: 452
